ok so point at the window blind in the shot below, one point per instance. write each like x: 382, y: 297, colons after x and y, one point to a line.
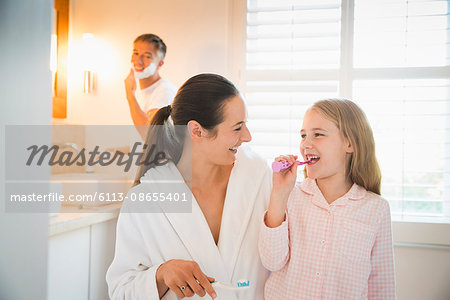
x: 286, y: 40
x: 391, y: 57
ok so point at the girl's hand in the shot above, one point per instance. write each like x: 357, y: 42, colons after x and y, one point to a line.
x: 283, y: 183
x: 185, y: 278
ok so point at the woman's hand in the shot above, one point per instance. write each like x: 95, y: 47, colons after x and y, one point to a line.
x: 283, y: 183
x: 184, y: 278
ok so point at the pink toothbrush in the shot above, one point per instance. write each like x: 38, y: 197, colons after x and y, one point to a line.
x: 278, y: 166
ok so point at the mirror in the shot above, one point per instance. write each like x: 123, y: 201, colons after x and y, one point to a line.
x: 61, y: 29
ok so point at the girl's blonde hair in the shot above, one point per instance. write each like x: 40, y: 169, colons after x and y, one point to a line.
x: 363, y: 168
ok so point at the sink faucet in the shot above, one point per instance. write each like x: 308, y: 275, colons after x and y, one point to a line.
x: 70, y: 145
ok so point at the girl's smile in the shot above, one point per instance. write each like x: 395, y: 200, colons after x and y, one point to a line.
x: 324, y: 145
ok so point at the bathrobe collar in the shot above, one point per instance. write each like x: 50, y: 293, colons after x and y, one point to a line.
x: 240, y: 198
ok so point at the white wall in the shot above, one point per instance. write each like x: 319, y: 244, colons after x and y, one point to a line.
x: 195, y: 33
x: 422, y: 260
x: 25, y: 99
x: 422, y: 273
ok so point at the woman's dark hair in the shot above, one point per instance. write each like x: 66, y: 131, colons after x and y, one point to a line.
x: 202, y: 99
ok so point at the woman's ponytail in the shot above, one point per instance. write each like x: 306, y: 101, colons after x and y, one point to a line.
x: 163, y: 138
x: 161, y: 115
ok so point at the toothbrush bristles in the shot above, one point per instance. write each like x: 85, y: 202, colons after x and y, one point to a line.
x: 304, y: 162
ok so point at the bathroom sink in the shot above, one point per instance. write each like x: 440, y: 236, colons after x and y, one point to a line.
x: 90, y: 189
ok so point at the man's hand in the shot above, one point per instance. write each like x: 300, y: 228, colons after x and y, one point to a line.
x: 130, y: 84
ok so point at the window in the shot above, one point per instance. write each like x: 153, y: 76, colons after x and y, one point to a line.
x: 392, y: 57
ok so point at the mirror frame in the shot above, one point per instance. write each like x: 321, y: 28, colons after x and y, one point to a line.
x: 62, y: 33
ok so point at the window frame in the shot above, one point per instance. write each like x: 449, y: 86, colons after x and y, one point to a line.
x: 415, y: 233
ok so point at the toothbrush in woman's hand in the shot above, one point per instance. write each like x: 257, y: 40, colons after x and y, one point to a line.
x: 278, y: 166
x: 241, y: 285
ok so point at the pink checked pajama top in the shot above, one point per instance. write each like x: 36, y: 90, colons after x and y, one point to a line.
x: 341, y: 250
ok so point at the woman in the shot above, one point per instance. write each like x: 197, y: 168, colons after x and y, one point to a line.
x: 175, y: 253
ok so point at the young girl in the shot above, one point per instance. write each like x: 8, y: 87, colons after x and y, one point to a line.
x: 332, y: 238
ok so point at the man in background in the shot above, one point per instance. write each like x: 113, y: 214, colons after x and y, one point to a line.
x: 154, y: 92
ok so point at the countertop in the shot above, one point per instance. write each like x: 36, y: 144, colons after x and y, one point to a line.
x: 71, y: 218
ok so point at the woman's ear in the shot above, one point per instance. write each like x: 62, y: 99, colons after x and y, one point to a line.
x: 195, y: 130
x: 349, y: 148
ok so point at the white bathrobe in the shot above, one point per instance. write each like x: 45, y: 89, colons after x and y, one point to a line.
x: 146, y: 240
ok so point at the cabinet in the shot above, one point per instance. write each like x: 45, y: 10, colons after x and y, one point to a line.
x: 78, y: 261
x: 103, y: 239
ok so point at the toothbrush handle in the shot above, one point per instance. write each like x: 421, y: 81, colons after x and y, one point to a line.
x: 278, y: 166
x: 228, y: 287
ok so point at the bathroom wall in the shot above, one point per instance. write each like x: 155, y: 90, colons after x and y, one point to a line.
x: 25, y: 84
x: 422, y: 260
x: 422, y: 273
x: 196, y: 34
